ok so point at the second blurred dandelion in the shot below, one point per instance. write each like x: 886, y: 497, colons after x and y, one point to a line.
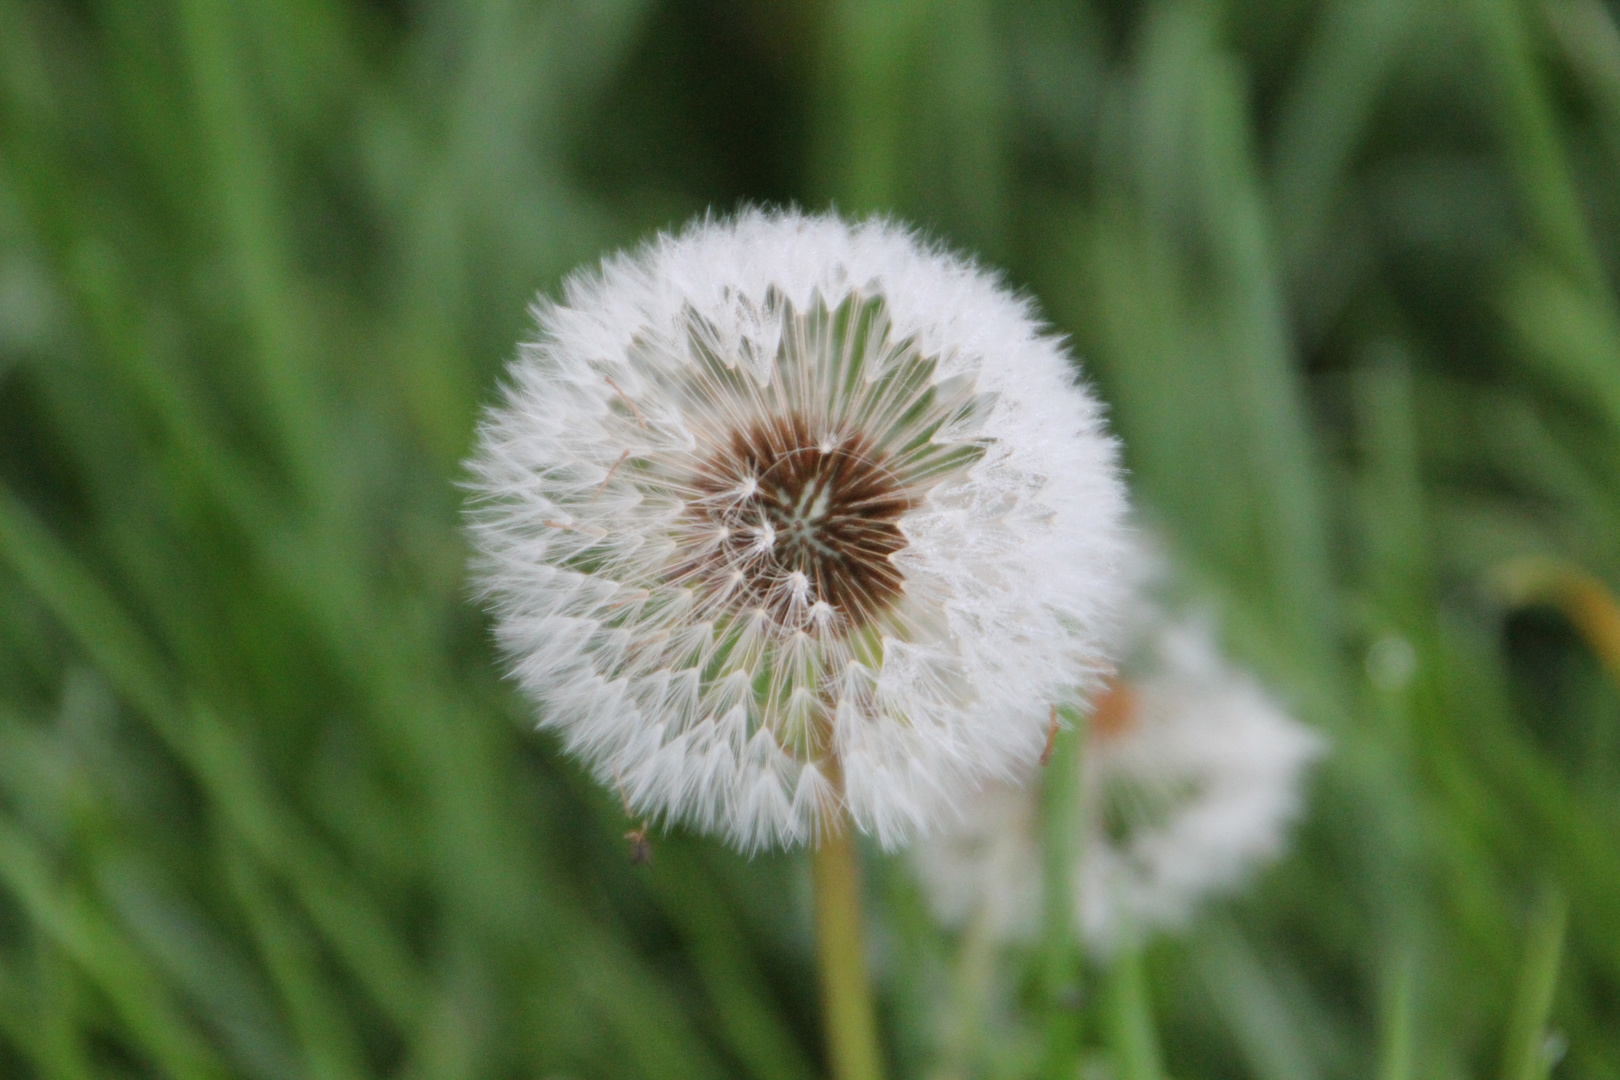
x: 1192, y: 775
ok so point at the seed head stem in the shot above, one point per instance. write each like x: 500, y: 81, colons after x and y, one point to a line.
x: 851, y: 1029
x: 1060, y: 952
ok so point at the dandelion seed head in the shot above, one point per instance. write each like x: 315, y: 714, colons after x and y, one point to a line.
x: 1192, y: 776
x: 781, y: 501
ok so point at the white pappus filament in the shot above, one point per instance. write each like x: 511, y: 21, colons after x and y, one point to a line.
x: 779, y: 497
x: 1192, y: 776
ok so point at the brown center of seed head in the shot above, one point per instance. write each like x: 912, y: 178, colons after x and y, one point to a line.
x: 797, y: 521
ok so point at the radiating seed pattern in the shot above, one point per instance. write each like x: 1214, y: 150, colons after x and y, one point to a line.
x: 769, y: 500
x: 797, y: 521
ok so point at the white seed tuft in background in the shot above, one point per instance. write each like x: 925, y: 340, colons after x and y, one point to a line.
x: 1192, y: 775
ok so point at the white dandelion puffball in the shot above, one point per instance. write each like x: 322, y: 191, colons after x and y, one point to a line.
x: 782, y: 516
x: 1192, y: 775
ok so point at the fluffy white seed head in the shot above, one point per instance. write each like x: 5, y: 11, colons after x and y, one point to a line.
x: 1192, y: 775
x: 781, y: 505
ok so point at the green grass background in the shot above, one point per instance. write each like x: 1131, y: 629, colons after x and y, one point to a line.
x: 1344, y: 271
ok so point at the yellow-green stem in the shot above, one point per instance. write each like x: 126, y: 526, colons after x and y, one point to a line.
x: 1060, y: 957
x: 975, y: 969
x: 851, y: 1029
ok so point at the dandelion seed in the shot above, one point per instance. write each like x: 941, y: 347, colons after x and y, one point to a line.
x: 840, y: 527
x: 1192, y: 776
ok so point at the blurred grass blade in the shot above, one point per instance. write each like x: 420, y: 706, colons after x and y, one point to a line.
x: 1283, y: 459
x: 1529, y: 131
x: 1573, y: 337
x: 1590, y: 39
x: 1525, y: 1054
x: 243, y: 186
x: 84, y: 608
x: 1396, y: 1059
x: 324, y: 1028
x: 1395, y: 536
x: 222, y: 988
x: 110, y: 639
x: 755, y: 1032
x: 1131, y: 1030
x: 84, y: 932
x: 351, y: 921
x: 1260, y: 1016
x: 867, y: 46
x: 38, y: 1015
x: 1062, y: 830
x: 1326, y: 112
